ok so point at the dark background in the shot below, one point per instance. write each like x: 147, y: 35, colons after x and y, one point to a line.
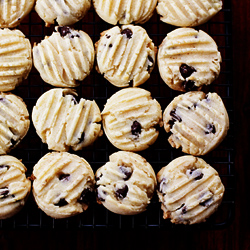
x: 235, y: 236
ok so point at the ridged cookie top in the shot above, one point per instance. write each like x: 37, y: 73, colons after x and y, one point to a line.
x: 15, y: 58
x: 64, y: 12
x: 14, y: 186
x: 187, y: 13
x: 130, y: 118
x: 125, y: 11
x: 125, y: 54
x: 64, y: 58
x: 62, y: 123
x: 188, y: 59
x: 62, y: 184
x: 198, y: 122
x: 125, y: 184
x: 190, y: 190
x: 12, y: 12
x: 14, y: 121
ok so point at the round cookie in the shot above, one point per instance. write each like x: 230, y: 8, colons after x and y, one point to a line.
x: 14, y: 122
x: 62, y: 12
x: 188, y: 59
x: 15, y: 58
x: 125, y: 55
x: 124, y: 12
x: 13, y: 12
x: 187, y: 13
x: 130, y: 119
x: 63, y: 123
x: 197, y: 122
x: 189, y: 190
x: 125, y: 184
x: 65, y: 58
x: 63, y: 184
x: 14, y: 186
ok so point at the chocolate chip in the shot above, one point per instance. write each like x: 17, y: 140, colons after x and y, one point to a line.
x: 136, y: 128
x: 175, y: 117
x: 195, y: 173
x: 152, y: 61
x: 186, y: 70
x: 63, y: 30
x: 107, y: 36
x: 199, y: 176
x: 97, y: 178
x: 62, y: 202
x: 127, y: 171
x: 81, y: 139
x: 121, y: 193
x: 127, y: 32
x: 207, y: 202
x: 86, y: 196
x: 13, y: 142
x: 162, y: 185
x: 111, y: 45
x: 4, y: 192
x: 100, y: 195
x: 189, y: 85
x: 210, y: 129
x: 64, y: 177
x: 2, y: 99
x: 184, y: 210
x: 4, y: 166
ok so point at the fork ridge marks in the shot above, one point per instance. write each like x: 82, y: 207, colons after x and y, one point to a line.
x: 125, y: 11
x: 15, y: 58
x: 187, y: 13
x: 63, y: 123
x: 14, y: 186
x: 14, y: 121
x: 130, y: 119
x: 189, y: 189
x: 12, y: 12
x: 193, y: 49
x: 64, y: 12
x: 65, y: 58
x: 125, y: 55
x: 202, y: 125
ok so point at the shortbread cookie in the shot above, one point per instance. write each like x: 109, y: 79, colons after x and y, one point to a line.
x: 13, y: 12
x: 63, y: 184
x: 189, y: 190
x: 125, y: 184
x: 130, y: 119
x: 15, y: 58
x: 62, y: 123
x: 187, y: 13
x: 125, y: 55
x: 65, y: 58
x: 188, y: 59
x: 14, y: 121
x: 125, y: 12
x: 63, y: 12
x: 14, y: 186
x: 197, y: 122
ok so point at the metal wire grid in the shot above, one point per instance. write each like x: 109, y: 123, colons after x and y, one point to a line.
x: 30, y: 150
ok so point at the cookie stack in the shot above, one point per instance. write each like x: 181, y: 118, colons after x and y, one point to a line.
x: 64, y: 183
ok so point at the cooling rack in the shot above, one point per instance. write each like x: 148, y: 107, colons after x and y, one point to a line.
x: 30, y: 150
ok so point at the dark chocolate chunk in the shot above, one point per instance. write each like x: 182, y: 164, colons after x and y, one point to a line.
x: 13, y: 142
x: 200, y: 176
x: 107, y: 36
x: 64, y: 30
x: 62, y: 202
x: 86, y: 196
x: 127, y: 171
x: 111, y: 45
x: 195, y: 173
x: 186, y: 70
x: 121, y: 193
x: 175, y: 117
x: 210, y: 129
x: 127, y: 32
x: 184, y: 210
x: 97, y: 178
x: 4, y: 192
x: 207, y: 202
x: 82, y: 137
x: 189, y: 85
x: 136, y: 128
x: 64, y: 177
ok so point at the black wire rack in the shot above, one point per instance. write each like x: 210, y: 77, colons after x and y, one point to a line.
x: 31, y: 149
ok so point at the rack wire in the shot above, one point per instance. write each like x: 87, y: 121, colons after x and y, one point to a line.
x: 31, y: 149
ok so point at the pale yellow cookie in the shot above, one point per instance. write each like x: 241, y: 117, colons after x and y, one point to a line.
x: 63, y: 184
x: 65, y: 58
x: 125, y: 11
x: 187, y: 13
x: 125, y: 184
x: 63, y: 12
x: 14, y: 121
x: 190, y: 190
x: 197, y: 122
x: 63, y: 123
x: 188, y: 59
x: 15, y: 58
x: 14, y: 186
x: 125, y: 55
